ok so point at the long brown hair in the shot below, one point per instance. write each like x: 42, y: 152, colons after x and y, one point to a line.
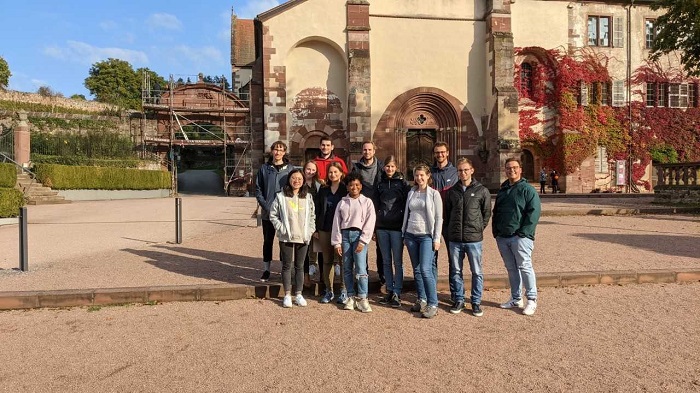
x: 315, y: 178
x: 337, y: 165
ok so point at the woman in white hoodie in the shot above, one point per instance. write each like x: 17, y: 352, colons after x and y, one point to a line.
x: 293, y: 216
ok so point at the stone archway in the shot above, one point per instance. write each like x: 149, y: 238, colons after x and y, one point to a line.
x: 419, y: 117
x: 527, y: 160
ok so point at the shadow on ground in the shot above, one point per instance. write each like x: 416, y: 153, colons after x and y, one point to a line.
x: 680, y: 246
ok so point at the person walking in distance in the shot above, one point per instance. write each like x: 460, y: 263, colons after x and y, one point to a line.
x: 555, y: 181
x: 543, y: 181
x: 270, y: 179
x: 353, y: 226
x: 515, y: 217
x: 370, y: 169
x: 326, y: 157
x: 327, y: 201
x: 292, y: 215
x: 391, y: 196
x: 467, y: 212
x: 422, y: 225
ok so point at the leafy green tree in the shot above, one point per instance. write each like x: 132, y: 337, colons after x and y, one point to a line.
x: 158, y: 83
x: 114, y: 81
x: 679, y: 30
x: 78, y: 97
x: 5, y: 74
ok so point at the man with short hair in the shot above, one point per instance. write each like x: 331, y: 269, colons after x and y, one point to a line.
x: 515, y: 216
x: 271, y: 177
x: 467, y: 211
x: 444, y: 176
x: 324, y: 159
x: 370, y: 169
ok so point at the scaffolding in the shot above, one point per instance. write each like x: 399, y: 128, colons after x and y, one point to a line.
x: 197, y: 115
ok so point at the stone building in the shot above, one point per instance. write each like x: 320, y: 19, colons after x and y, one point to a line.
x: 408, y: 73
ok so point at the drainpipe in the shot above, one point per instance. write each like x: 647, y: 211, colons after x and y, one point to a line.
x: 629, y: 96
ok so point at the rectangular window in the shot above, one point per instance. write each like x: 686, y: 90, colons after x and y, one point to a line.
x: 662, y: 94
x: 649, y: 32
x: 618, y: 93
x: 599, y: 29
x: 601, y: 160
x: 583, y: 94
x: 678, y: 95
x: 651, y: 94
x: 594, y: 93
x: 618, y: 33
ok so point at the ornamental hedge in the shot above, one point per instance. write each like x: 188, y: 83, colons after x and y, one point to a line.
x: 11, y: 199
x: 8, y: 175
x: 86, y: 161
x: 64, y: 177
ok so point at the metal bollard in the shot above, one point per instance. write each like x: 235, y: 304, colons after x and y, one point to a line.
x: 23, y: 243
x: 178, y: 220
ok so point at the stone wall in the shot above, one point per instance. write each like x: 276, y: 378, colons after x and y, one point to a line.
x: 34, y: 98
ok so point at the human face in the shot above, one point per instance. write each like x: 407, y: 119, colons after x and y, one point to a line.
x: 334, y: 174
x: 465, y: 171
x: 441, y: 155
x: 296, y: 180
x: 310, y: 170
x: 513, y: 171
x: 326, y: 148
x: 354, y: 188
x: 368, y: 152
x: 278, y: 153
x: 390, y: 169
x: 420, y: 177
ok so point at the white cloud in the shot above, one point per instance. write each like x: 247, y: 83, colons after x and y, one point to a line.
x: 254, y: 7
x: 81, y: 52
x: 166, y: 21
x: 199, y: 55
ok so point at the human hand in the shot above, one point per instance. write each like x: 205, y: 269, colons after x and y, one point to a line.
x: 339, y: 251
x: 315, y: 235
x: 436, y: 246
x: 359, y: 248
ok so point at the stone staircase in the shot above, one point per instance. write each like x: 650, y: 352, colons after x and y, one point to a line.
x: 36, y: 193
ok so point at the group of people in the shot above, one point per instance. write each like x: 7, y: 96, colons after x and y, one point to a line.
x: 554, y: 180
x: 325, y: 216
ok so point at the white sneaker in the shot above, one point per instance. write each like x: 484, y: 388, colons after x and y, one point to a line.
x: 363, y: 305
x: 300, y: 301
x: 337, y: 270
x: 312, y: 270
x: 513, y: 303
x: 530, y: 308
x: 287, y: 302
x: 350, y: 304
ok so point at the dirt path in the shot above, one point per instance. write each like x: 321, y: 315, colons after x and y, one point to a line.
x: 604, y: 338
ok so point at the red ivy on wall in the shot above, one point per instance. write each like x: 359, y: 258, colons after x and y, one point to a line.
x: 577, y: 130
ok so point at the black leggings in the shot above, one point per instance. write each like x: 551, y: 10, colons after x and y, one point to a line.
x: 268, y: 238
x: 293, y: 254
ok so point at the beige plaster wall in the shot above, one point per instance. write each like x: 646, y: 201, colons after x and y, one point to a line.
x: 433, y: 8
x: 540, y: 23
x: 444, y: 54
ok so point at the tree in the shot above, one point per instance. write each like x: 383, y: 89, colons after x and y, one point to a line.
x: 679, y: 30
x: 46, y: 91
x: 158, y: 83
x: 115, y: 82
x: 5, y: 74
x: 78, y: 97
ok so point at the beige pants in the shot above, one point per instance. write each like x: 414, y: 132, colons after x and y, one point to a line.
x: 329, y: 258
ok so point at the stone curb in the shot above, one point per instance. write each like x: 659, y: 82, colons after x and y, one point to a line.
x: 220, y: 292
x: 620, y: 211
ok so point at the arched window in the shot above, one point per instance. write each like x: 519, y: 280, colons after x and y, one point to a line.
x: 526, y: 80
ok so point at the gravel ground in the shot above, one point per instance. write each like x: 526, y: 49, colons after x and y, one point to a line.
x: 634, y: 338
x: 129, y: 243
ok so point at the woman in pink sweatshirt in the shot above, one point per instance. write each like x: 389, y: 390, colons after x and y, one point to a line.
x: 353, y: 226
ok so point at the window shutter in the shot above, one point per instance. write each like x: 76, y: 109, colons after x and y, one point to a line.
x: 618, y: 32
x: 584, y: 94
x: 618, y: 93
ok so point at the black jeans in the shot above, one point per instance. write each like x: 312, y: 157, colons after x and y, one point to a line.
x: 293, y: 254
x: 268, y: 238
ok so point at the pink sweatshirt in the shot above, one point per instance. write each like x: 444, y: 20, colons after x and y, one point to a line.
x: 353, y: 213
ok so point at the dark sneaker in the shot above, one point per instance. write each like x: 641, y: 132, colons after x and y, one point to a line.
x: 327, y: 297
x: 265, y: 276
x: 430, y: 312
x: 476, y: 310
x: 386, y: 299
x: 395, y: 301
x: 419, y: 306
x: 457, y: 307
x: 343, y: 298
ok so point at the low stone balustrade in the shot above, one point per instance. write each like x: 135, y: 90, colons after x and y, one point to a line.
x: 678, y: 183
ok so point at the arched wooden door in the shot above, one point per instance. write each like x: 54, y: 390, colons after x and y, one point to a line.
x: 528, y: 163
x: 419, y: 149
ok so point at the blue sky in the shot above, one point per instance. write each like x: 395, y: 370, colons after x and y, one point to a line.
x: 54, y: 43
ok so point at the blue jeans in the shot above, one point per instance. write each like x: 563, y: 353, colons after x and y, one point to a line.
x: 391, y: 247
x: 473, y: 253
x: 420, y: 249
x: 516, y: 252
x: 351, y: 238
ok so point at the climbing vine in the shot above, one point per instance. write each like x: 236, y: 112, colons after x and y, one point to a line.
x: 555, y: 124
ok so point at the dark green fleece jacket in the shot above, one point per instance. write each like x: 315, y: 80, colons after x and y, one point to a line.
x: 517, y: 210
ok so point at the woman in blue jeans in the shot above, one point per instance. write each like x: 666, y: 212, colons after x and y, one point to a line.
x: 422, y: 227
x: 391, y: 196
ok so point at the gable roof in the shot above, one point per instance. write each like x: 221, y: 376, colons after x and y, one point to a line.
x: 279, y: 9
x: 242, y: 42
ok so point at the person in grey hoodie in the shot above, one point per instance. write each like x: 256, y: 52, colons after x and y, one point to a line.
x: 271, y: 177
x: 293, y: 215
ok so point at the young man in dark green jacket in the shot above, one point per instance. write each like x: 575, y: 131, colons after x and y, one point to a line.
x: 515, y: 217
